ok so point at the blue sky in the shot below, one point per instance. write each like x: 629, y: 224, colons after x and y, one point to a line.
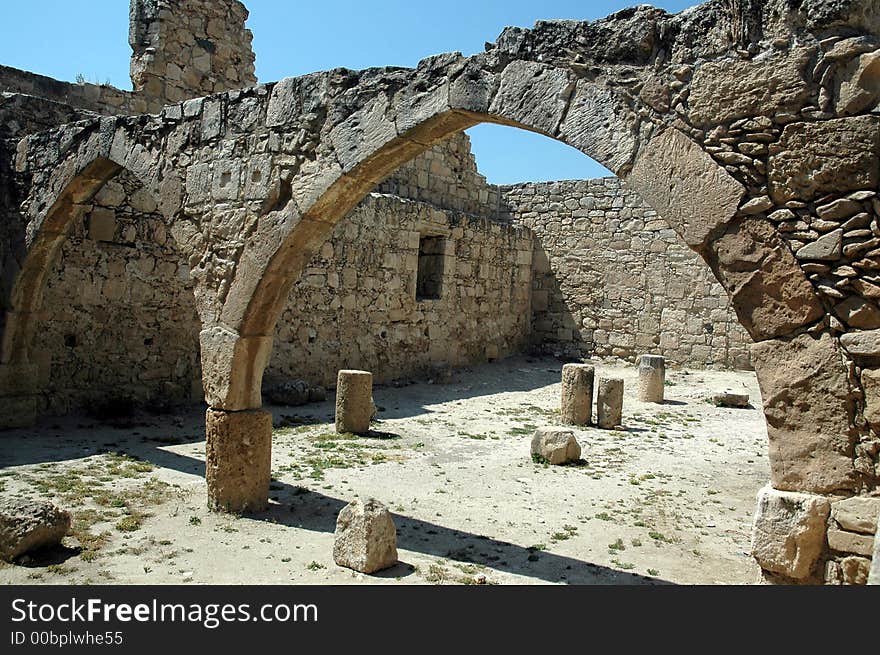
x: 63, y: 38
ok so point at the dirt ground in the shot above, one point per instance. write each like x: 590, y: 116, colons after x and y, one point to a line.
x: 667, y: 499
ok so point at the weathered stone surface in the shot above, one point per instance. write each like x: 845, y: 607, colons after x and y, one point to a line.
x: 729, y: 399
x: 808, y: 404
x: 609, y: 403
x: 857, y: 514
x: 354, y: 401
x: 238, y: 459
x: 685, y: 186
x: 825, y: 249
x: 600, y: 124
x: 722, y: 91
x: 859, y: 313
x: 556, y: 445
x: 858, y: 87
x: 534, y: 95
x: 871, y: 388
x: 788, y: 533
x: 576, y: 401
x: 855, y: 570
x: 28, y: 524
x: 874, y: 575
x: 832, y: 156
x: 770, y: 292
x: 862, y: 344
x: 232, y: 368
x: 652, y: 378
x: 850, y: 542
x: 366, y: 538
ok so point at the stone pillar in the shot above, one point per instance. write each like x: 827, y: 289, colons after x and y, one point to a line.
x: 238, y: 460
x: 652, y: 377
x: 609, y: 403
x: 576, y: 405
x: 19, y: 384
x: 354, y: 401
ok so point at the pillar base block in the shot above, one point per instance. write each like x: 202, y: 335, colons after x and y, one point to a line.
x: 238, y: 463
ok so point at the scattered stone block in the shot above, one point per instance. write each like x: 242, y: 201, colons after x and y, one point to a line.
x: 788, y: 533
x: 27, y: 525
x: 365, y: 538
x: 609, y: 403
x: 354, y: 401
x: 294, y: 392
x: 556, y: 445
x: 652, y: 378
x: 729, y: 399
x: 576, y: 406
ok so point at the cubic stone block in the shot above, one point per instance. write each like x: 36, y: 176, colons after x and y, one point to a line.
x: 365, y: 538
x: 850, y: 542
x: 652, y: 378
x: 788, y: 532
x: 354, y: 401
x: 857, y: 514
x: 556, y: 445
x: 609, y: 403
x: 837, y: 155
x: 238, y: 459
x: 729, y: 399
x: 576, y: 406
x: 28, y: 524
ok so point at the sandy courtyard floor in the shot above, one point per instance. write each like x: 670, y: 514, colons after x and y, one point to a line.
x: 668, y: 499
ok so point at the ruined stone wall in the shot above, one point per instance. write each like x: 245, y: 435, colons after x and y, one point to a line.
x: 120, y: 320
x: 356, y: 307
x: 445, y: 176
x: 612, y: 278
x: 189, y: 48
x: 98, y: 98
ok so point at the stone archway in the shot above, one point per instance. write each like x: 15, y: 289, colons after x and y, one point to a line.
x: 753, y: 137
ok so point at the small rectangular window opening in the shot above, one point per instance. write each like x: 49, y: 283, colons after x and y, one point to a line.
x: 429, y: 281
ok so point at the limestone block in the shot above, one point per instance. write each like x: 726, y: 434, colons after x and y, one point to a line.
x: 729, y: 399
x: 576, y: 405
x: 609, y: 403
x: 862, y: 344
x: 858, y: 87
x: 534, y: 95
x: 362, y: 134
x: 850, y: 542
x: 874, y: 575
x: 857, y: 514
x: 685, y: 186
x: 809, y: 410
x: 858, y: 313
x: 652, y: 378
x: 769, y: 290
x: 556, y: 445
x: 601, y: 124
x: 366, y: 538
x: 837, y: 155
x: 722, y: 91
x: 871, y: 387
x: 855, y: 570
x: 232, y: 368
x: 28, y: 524
x: 354, y: 401
x: 102, y: 224
x: 788, y: 533
x: 238, y: 459
x: 827, y: 248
